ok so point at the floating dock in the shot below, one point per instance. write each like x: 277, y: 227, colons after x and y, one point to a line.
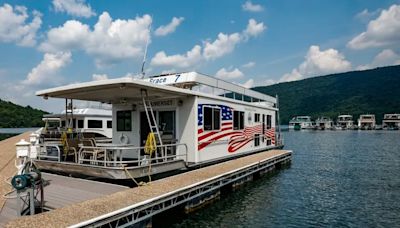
x: 139, y: 204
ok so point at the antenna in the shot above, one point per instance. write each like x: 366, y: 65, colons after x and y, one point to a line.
x: 145, y: 52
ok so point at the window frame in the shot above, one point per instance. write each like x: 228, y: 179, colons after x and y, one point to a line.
x: 91, y: 127
x: 213, y: 108
x: 257, y: 118
x: 109, y: 124
x: 124, y: 119
x: 240, y: 115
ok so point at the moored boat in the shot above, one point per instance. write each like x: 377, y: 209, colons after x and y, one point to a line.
x: 323, y: 123
x: 345, y: 122
x: 366, y: 122
x: 391, y: 122
x: 301, y: 122
x: 163, y: 123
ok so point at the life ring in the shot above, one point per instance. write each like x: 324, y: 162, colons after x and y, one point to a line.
x: 124, y: 139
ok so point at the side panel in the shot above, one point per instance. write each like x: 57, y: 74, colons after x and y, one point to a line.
x: 228, y: 141
x: 186, y: 129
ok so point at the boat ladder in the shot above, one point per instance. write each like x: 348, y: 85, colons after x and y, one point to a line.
x: 151, y: 118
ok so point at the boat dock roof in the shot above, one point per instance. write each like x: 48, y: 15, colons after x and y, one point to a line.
x: 84, y: 213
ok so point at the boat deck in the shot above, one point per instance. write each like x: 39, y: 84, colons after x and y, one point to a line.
x: 157, y: 192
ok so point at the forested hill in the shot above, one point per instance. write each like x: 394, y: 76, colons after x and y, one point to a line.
x: 12, y: 115
x: 375, y: 91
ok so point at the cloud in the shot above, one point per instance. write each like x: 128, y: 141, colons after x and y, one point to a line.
x: 383, y: 31
x: 46, y: 71
x: 386, y: 57
x: 211, y: 50
x: 254, y: 29
x: 108, y: 42
x: 318, y: 62
x: 248, y: 84
x: 366, y: 15
x: 99, y: 77
x: 169, y: 28
x: 77, y: 8
x: 250, y: 7
x: 223, y: 45
x: 14, y: 26
x: 249, y: 65
x: 189, y: 59
x: 227, y: 75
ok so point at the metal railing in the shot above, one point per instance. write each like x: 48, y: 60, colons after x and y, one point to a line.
x: 112, y: 156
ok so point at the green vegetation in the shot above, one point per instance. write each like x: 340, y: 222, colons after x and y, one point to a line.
x: 13, y: 116
x: 374, y: 91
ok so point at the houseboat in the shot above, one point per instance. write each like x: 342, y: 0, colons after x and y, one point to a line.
x: 89, y: 121
x: 391, y: 121
x: 366, y: 122
x: 345, y: 122
x: 163, y: 123
x: 301, y: 122
x: 323, y: 123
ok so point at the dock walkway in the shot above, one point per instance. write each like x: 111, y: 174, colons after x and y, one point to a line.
x: 141, y: 202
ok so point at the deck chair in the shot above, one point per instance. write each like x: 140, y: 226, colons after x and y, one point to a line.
x: 71, y: 146
x: 89, y: 149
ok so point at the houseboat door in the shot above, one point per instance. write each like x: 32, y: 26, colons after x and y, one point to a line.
x: 166, y: 123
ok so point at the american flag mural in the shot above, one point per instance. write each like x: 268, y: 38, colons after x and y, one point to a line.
x: 236, y: 138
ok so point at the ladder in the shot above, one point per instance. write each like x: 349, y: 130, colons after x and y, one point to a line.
x: 150, y: 117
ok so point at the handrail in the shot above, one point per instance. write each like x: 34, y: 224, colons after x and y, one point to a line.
x: 142, y: 160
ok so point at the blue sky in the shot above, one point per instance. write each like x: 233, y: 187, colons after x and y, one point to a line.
x: 48, y: 43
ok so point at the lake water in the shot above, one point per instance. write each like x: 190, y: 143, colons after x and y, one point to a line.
x: 336, y: 179
x: 16, y: 130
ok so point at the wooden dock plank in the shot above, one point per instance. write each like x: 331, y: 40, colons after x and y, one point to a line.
x: 86, y: 210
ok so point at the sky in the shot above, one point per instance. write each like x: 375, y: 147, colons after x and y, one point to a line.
x: 49, y: 43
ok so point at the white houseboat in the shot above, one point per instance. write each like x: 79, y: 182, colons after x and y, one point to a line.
x: 301, y: 122
x: 89, y: 121
x: 391, y: 121
x: 366, y: 122
x: 345, y: 122
x: 323, y: 123
x: 164, y: 123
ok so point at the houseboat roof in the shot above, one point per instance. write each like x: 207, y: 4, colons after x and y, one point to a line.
x: 124, y: 90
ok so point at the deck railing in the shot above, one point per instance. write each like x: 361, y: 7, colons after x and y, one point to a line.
x: 113, y: 156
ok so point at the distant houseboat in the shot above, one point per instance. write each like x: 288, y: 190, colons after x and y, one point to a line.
x: 345, y: 122
x: 323, y: 123
x: 366, y: 122
x: 391, y: 121
x: 301, y: 122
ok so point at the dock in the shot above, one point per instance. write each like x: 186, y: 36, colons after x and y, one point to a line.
x: 132, y: 206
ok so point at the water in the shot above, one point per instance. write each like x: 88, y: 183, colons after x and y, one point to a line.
x: 16, y: 130
x: 337, y: 179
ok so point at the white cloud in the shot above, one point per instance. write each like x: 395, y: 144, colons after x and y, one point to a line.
x: 223, y: 45
x: 250, y: 7
x: 249, y: 65
x: 109, y: 42
x: 227, y: 75
x: 14, y: 26
x: 386, y: 57
x: 211, y: 50
x: 189, y: 59
x: 318, y: 62
x: 254, y: 29
x: 269, y: 82
x: 99, y: 77
x: 169, y: 28
x: 76, y: 8
x: 248, y: 84
x: 383, y: 31
x: 366, y: 15
x: 46, y: 71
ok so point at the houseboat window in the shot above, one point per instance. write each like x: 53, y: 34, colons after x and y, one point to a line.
x: 256, y: 117
x: 269, y: 142
x: 80, y: 123
x: 212, y: 118
x: 109, y: 124
x: 256, y: 139
x: 95, y: 124
x: 63, y: 123
x: 238, y: 120
x: 73, y: 123
x: 269, y: 121
x: 124, y: 120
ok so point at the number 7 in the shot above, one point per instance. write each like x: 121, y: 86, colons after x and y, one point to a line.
x: 177, y: 77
